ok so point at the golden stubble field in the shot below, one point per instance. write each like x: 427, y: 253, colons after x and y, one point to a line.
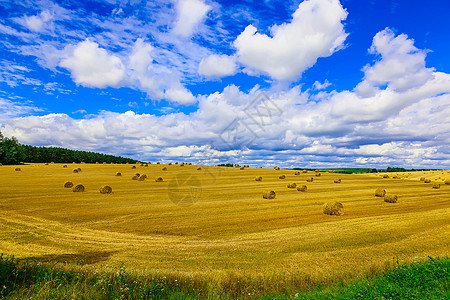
x: 230, y: 230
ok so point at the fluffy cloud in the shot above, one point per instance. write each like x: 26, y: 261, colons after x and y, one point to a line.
x: 93, y: 66
x: 401, y: 67
x: 190, y: 14
x: 217, y: 66
x: 316, y: 30
x: 180, y: 94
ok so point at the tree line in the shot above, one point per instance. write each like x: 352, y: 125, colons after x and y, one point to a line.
x: 13, y: 153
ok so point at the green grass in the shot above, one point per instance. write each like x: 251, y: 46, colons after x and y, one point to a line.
x: 21, y: 279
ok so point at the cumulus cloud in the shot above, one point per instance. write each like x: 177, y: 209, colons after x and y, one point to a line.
x: 217, y: 66
x: 180, y: 94
x: 401, y: 65
x: 93, y: 66
x: 190, y: 14
x: 316, y: 30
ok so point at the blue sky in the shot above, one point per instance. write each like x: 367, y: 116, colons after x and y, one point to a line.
x: 348, y: 83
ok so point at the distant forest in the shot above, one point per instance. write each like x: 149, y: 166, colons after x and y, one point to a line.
x: 13, y: 153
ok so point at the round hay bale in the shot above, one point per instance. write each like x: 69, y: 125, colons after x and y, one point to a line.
x: 282, y: 176
x: 302, y: 188
x: 79, y: 169
x: 292, y: 185
x: 46, y: 164
x: 297, y: 173
x: 176, y: 163
x: 390, y: 198
x: 158, y: 163
x: 65, y: 166
x: 78, y: 188
x: 199, y: 168
x: 316, y: 170
x: 169, y: 164
x: 135, y: 177
x: 164, y: 169
x: 1, y: 164
x: 269, y: 195
x: 75, y: 170
x: 422, y: 178
x: 106, y: 189
x: 447, y: 182
x: 330, y: 171
x: 436, y: 186
x: 427, y: 180
x: 142, y: 164
x: 305, y: 171
x: 190, y: 164
x: 137, y: 174
x: 146, y: 165
x: 380, y: 192
x: 259, y: 178
x: 159, y: 179
x: 276, y: 168
x: 142, y: 177
x: 68, y: 184
x: 337, y: 180
x: 182, y: 164
x: 310, y: 179
x: 18, y: 169
x: 118, y: 174
x: 318, y: 174
x: 385, y: 176
x: 241, y: 168
x: 333, y: 209
x: 133, y: 167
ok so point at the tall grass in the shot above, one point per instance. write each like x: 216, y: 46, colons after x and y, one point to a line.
x: 20, y: 279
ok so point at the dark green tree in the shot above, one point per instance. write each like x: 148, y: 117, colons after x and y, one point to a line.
x: 9, y: 150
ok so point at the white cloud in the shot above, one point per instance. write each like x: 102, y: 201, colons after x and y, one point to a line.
x: 316, y: 30
x: 158, y: 81
x: 93, y: 66
x: 217, y: 66
x: 190, y: 14
x: 37, y: 23
x: 321, y: 86
x: 180, y: 94
x: 401, y: 67
x: 11, y: 109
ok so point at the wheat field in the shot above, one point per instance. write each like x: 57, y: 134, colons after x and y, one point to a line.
x: 212, y: 223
